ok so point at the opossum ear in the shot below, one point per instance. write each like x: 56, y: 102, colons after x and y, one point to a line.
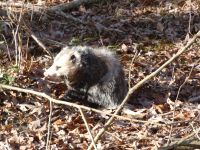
x: 73, y: 58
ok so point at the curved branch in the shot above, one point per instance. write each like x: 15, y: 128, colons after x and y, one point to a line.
x: 65, y: 102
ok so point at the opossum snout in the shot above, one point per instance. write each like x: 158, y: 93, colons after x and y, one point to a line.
x: 49, y: 72
x: 45, y: 74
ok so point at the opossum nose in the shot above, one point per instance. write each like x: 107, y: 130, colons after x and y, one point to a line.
x: 46, y: 73
x: 50, y: 73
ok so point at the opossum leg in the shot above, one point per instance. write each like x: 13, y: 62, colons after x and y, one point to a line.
x: 80, y: 96
x: 74, y: 95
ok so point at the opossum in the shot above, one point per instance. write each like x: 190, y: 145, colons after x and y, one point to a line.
x: 91, y: 74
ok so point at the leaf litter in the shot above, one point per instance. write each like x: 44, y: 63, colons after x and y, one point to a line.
x: 151, y: 31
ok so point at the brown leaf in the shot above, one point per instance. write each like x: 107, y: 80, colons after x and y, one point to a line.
x: 162, y: 108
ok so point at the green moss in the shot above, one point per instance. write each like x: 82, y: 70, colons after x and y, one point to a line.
x: 8, y: 76
x: 75, y: 41
x: 113, y: 47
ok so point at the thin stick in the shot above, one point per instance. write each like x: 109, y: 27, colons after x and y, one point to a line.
x: 49, y: 125
x: 27, y: 29
x: 19, y: 5
x: 40, y: 44
x: 174, y: 109
x: 88, y: 129
x: 67, y: 103
x: 196, y: 132
x: 142, y: 82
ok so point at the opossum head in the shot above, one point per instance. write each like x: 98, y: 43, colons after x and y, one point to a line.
x: 70, y: 63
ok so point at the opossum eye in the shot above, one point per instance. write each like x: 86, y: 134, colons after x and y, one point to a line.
x: 58, y: 67
x: 73, y: 58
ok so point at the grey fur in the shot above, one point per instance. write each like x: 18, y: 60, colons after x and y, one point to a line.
x: 95, y: 74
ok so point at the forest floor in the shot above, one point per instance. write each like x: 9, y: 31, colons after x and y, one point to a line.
x: 150, y: 31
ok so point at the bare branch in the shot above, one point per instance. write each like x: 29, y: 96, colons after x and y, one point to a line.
x: 49, y: 126
x: 175, y: 103
x: 88, y: 128
x: 67, y: 103
x: 27, y: 29
x: 20, y: 5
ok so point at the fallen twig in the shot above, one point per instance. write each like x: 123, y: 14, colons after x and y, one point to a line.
x: 88, y: 128
x: 27, y: 29
x: 67, y: 103
x: 174, y: 109
x: 49, y: 125
x: 20, y: 5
